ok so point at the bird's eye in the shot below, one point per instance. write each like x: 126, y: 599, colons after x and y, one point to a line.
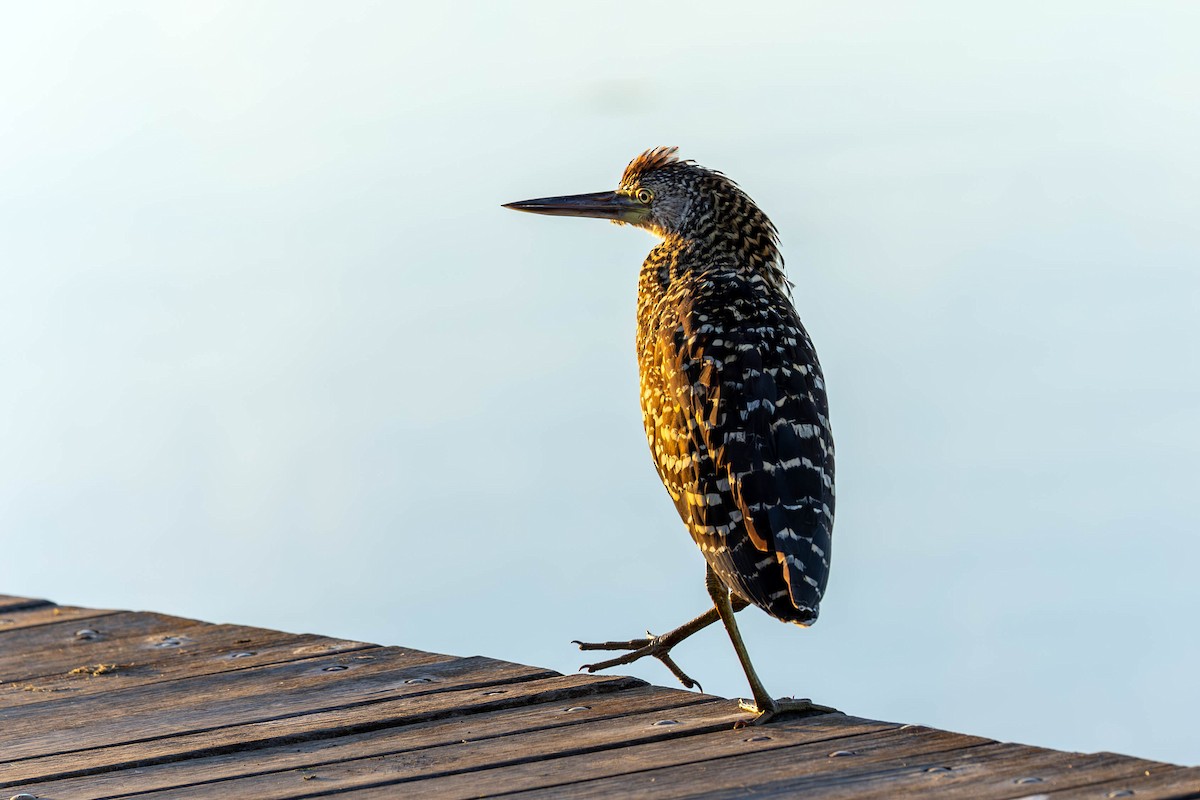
x: 644, y: 196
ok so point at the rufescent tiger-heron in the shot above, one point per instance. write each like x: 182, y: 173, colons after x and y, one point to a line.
x: 732, y: 397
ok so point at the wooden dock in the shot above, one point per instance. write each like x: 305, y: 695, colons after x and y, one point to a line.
x: 115, y: 704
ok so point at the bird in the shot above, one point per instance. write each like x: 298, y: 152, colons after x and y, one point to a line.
x: 733, y: 402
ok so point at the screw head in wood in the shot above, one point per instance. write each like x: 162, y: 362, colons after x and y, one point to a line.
x: 87, y: 634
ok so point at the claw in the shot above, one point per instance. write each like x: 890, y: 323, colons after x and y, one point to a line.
x: 687, y: 681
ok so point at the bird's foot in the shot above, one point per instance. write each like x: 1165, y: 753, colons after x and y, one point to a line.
x: 770, y: 709
x: 658, y: 647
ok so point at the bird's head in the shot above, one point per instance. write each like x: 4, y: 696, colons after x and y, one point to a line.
x: 673, y: 198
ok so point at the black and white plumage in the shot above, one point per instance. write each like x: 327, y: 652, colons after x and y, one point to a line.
x: 732, y: 394
x: 733, y: 398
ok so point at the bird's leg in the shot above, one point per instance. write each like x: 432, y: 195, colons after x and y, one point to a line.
x: 658, y: 646
x: 765, y: 706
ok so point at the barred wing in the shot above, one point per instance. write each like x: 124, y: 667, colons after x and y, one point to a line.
x: 758, y: 493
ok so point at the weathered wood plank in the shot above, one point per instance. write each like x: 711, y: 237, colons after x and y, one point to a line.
x: 1167, y: 782
x: 562, y: 778
x: 188, y: 651
x: 466, y: 757
x: 61, y: 646
x: 1014, y: 772
x: 418, y: 714
x: 991, y: 772
x: 19, y: 618
x: 10, y: 603
x: 524, y: 761
x: 250, y: 695
x: 555, y: 704
x: 157, y: 707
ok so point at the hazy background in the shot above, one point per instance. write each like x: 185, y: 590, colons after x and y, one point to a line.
x: 273, y: 354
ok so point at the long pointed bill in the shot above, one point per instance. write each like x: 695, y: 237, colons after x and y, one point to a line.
x: 603, y: 205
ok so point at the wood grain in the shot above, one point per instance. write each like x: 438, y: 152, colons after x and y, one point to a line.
x: 23, y: 617
x: 709, y: 763
x: 1167, y: 782
x: 991, y: 771
x: 420, y: 716
x: 58, y: 647
x: 112, y: 661
x: 262, y: 693
x: 538, y: 710
x: 101, y: 704
x: 10, y: 603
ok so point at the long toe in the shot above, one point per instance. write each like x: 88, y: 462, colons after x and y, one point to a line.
x: 786, y: 706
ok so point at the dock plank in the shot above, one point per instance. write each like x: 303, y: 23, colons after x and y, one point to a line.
x: 462, y: 757
x: 426, y: 720
x: 621, y: 714
x: 112, y: 663
x: 610, y: 773
x: 26, y: 617
x: 251, y: 695
x: 992, y: 772
x: 57, y: 647
x: 154, y: 707
x: 1168, y: 782
x: 9, y: 602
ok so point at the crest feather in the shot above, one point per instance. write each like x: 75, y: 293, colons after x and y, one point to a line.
x: 654, y: 158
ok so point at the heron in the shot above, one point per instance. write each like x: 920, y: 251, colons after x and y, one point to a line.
x: 733, y: 402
